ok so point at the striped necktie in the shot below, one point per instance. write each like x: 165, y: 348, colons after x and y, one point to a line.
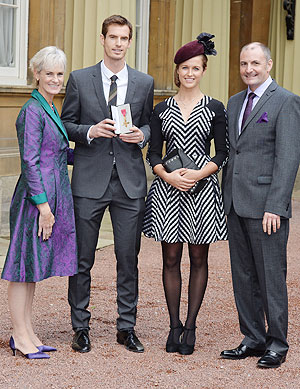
x: 112, y: 97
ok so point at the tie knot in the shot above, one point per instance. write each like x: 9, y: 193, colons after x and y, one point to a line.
x: 114, y: 78
x: 251, y: 96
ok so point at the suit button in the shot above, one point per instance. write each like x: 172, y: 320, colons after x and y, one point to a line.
x: 237, y: 152
x: 111, y: 153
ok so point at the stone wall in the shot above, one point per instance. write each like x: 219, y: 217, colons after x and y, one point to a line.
x: 7, y: 185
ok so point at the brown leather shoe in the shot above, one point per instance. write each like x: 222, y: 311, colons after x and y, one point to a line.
x: 130, y: 341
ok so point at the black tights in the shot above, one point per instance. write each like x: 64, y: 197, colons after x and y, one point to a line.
x: 172, y: 253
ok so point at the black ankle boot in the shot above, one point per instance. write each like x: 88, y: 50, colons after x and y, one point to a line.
x: 184, y: 347
x: 172, y: 345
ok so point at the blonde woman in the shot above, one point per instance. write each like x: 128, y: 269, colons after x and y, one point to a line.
x: 42, y: 226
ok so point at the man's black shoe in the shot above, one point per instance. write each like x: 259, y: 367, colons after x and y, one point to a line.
x: 81, y: 341
x: 241, y: 352
x: 271, y: 360
x: 130, y: 341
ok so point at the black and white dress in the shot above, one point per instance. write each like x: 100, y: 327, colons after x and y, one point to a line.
x: 172, y: 215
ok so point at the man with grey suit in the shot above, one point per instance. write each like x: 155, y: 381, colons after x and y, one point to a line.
x: 264, y: 135
x: 108, y: 172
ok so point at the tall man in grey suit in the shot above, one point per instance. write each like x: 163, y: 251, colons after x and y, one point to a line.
x: 108, y: 172
x: 264, y: 134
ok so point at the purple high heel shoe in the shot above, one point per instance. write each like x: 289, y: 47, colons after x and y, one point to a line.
x: 38, y: 355
x: 46, y: 349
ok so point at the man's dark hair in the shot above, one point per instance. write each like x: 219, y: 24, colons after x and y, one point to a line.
x: 116, y: 19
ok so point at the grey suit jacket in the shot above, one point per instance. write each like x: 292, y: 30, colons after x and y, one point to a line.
x: 263, y: 161
x: 85, y: 105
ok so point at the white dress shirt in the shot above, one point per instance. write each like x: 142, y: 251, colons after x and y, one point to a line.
x: 258, y: 93
x: 122, y: 82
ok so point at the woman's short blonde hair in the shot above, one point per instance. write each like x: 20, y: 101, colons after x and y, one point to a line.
x: 47, y: 57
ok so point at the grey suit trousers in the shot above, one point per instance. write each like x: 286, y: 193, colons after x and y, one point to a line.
x: 259, y: 266
x: 126, y: 216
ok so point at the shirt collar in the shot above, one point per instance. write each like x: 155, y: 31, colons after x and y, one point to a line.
x: 122, y: 74
x: 262, y: 88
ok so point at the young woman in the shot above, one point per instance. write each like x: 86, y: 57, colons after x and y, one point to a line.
x: 188, y: 121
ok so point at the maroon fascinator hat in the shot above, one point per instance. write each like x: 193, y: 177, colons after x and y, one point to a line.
x: 203, y: 45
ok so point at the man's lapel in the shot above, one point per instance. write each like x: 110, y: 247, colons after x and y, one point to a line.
x: 131, y: 85
x: 238, y: 108
x: 264, y: 98
x: 98, y: 85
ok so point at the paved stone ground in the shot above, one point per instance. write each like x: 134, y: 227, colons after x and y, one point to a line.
x: 109, y: 365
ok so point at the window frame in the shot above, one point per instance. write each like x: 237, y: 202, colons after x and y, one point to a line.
x: 142, y: 35
x: 17, y: 75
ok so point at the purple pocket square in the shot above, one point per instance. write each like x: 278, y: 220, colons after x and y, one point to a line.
x: 263, y: 118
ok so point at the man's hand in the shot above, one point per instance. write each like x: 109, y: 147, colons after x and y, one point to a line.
x: 270, y: 221
x: 104, y: 129
x: 136, y: 136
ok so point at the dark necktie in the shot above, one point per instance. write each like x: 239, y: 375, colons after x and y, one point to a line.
x: 112, y: 97
x: 248, y: 108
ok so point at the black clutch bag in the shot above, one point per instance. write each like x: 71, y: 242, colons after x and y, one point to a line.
x: 177, y: 159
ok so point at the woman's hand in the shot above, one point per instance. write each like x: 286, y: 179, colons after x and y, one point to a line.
x: 178, y: 180
x: 46, y: 221
x: 193, y: 174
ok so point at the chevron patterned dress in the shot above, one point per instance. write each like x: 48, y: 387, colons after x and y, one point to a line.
x: 172, y: 215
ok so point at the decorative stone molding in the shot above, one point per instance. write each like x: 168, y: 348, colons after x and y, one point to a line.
x: 290, y: 6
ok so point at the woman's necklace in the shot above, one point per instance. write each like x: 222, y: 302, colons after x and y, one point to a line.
x: 186, y: 103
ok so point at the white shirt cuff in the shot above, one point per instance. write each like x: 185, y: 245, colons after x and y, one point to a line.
x: 89, y: 140
x: 141, y: 143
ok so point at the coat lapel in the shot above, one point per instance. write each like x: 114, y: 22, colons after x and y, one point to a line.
x: 264, y: 98
x: 239, y: 106
x: 98, y: 85
x: 236, y: 114
x: 131, y: 85
x: 54, y: 115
